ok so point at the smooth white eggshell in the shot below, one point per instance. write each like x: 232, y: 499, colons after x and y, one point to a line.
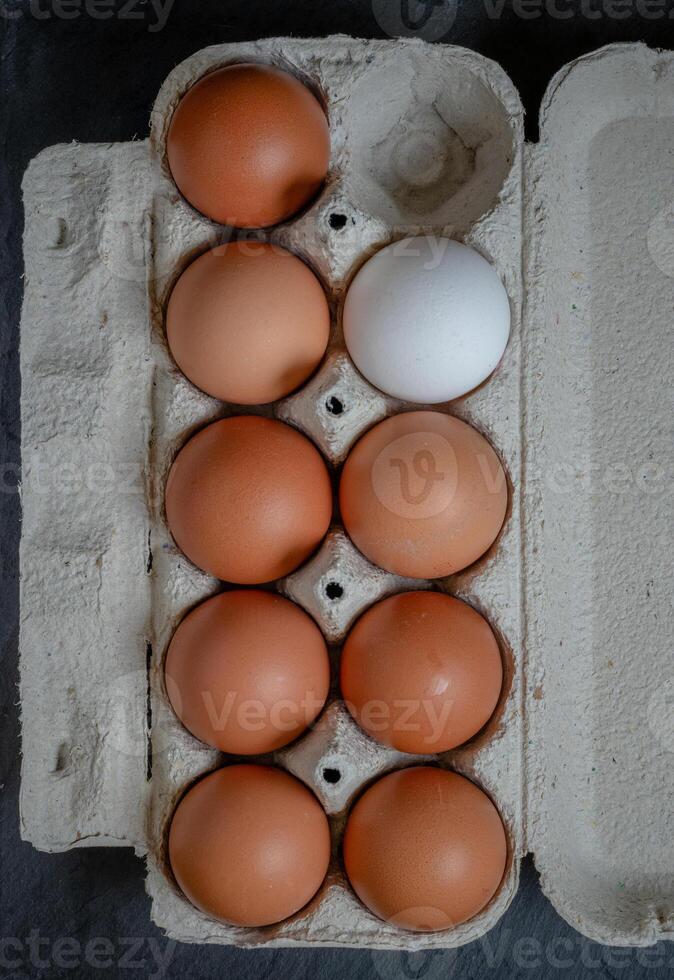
x: 426, y: 319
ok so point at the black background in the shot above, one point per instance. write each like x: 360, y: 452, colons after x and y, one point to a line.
x: 87, y: 79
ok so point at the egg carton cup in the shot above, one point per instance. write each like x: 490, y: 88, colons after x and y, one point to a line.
x: 426, y: 139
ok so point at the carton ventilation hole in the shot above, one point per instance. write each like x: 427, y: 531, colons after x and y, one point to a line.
x: 335, y: 406
x: 334, y: 590
x: 337, y: 221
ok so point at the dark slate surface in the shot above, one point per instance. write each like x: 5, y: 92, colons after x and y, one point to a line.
x: 88, y: 70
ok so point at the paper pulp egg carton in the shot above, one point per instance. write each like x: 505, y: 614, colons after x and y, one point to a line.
x: 426, y: 139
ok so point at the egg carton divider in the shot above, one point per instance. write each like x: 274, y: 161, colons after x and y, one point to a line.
x: 335, y: 253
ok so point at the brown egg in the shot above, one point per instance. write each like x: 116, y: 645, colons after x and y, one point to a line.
x: 247, y: 671
x: 421, y: 672
x: 248, y: 499
x: 248, y: 145
x: 424, y: 849
x: 249, y: 845
x: 423, y: 494
x: 248, y: 322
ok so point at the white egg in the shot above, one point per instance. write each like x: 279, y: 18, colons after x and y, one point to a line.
x: 426, y: 319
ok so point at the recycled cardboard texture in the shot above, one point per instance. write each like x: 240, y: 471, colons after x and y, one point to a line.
x: 97, y: 378
x: 86, y: 421
x: 599, y: 494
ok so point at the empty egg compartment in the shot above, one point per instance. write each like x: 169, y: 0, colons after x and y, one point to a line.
x: 475, y: 196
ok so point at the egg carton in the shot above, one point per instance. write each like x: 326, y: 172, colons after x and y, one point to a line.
x: 426, y: 139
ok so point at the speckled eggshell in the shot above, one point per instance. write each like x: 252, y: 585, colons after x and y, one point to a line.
x: 249, y: 845
x: 248, y: 499
x: 421, y: 672
x: 248, y: 322
x: 248, y: 145
x: 423, y: 494
x: 425, y: 849
x: 247, y: 671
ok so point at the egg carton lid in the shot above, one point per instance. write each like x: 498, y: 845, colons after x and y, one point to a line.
x: 596, y: 495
